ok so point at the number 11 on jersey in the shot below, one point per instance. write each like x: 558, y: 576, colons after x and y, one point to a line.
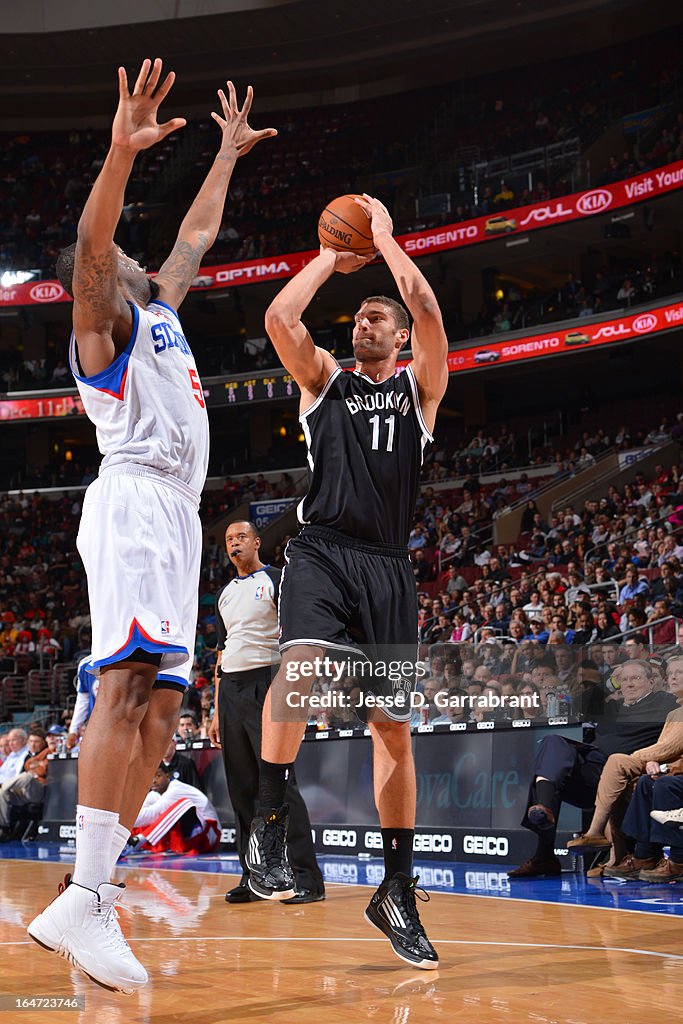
x: 391, y: 424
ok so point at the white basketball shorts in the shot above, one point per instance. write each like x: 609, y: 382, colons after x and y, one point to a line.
x: 140, y: 539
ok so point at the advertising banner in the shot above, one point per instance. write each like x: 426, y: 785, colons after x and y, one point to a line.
x: 41, y: 408
x: 277, y: 384
x: 517, y: 221
x: 262, y: 513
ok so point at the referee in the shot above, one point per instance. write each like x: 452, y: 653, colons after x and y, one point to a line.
x: 247, y: 644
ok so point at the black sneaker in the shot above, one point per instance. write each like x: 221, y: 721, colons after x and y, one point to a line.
x: 241, y: 893
x: 270, y: 875
x: 394, y: 911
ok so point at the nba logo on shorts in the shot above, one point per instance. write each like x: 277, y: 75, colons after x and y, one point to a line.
x: 165, y: 627
x: 81, y: 822
x: 258, y: 596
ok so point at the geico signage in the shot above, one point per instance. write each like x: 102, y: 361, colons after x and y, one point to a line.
x: 339, y: 837
x: 489, y: 846
x: 433, y: 843
x: 373, y: 841
x: 228, y: 835
x: 67, y: 831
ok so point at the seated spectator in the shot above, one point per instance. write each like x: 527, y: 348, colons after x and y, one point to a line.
x: 452, y: 705
x: 636, y: 647
x: 632, y: 585
x: 605, y: 626
x: 665, y: 633
x: 588, y: 696
x: 569, y: 770
x: 462, y: 630
x: 28, y: 785
x: 622, y: 772
x: 176, y: 817
x: 180, y: 767
x: 439, y: 632
x: 188, y: 727
x: 532, y: 707
x: 422, y: 570
x: 418, y: 538
x: 455, y: 584
x: 652, y: 820
x: 13, y: 764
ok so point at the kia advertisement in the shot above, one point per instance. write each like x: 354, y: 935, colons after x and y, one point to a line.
x: 519, y: 221
x: 474, y: 357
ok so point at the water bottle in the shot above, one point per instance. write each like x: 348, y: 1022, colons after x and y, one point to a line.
x: 553, y: 706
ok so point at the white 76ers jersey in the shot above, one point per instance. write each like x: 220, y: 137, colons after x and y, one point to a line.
x: 148, y: 407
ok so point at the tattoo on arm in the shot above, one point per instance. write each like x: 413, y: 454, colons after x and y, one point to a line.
x: 180, y: 269
x: 95, y: 287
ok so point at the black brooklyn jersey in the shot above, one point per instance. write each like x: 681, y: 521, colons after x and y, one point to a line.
x: 365, y: 446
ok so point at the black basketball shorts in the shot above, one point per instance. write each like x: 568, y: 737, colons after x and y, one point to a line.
x: 344, y: 595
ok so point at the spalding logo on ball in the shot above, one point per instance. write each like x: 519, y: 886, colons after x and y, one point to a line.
x: 345, y: 227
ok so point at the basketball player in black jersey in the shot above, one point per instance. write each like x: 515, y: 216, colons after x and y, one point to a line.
x: 348, y: 583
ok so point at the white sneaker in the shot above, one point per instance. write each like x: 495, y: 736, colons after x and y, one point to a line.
x: 666, y: 816
x: 82, y: 926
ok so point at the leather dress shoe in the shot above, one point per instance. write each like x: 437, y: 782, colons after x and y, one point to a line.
x: 588, y: 842
x: 666, y: 870
x: 537, y: 869
x: 241, y: 893
x: 630, y: 867
x: 306, y: 896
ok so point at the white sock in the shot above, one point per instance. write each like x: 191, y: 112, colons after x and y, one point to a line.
x: 95, y: 831
x: 120, y: 839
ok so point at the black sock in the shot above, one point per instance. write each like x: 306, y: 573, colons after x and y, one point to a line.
x: 546, y: 793
x: 273, y: 780
x: 545, y: 847
x: 398, y: 851
x: 646, y: 851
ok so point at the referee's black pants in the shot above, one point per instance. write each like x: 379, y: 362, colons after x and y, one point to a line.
x: 240, y: 706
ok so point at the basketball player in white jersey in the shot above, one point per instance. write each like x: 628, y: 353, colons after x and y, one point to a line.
x: 140, y: 533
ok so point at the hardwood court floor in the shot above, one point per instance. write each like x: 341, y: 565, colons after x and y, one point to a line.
x: 504, y: 961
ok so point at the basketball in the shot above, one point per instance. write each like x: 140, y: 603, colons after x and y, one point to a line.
x: 344, y: 226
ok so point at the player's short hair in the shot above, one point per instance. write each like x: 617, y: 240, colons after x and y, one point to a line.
x: 66, y: 262
x: 165, y: 768
x: 398, y: 311
x: 252, y: 526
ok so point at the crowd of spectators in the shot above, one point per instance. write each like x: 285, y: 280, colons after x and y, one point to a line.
x: 573, y: 580
x: 615, y: 286
x: 612, y: 287
x: 46, y: 176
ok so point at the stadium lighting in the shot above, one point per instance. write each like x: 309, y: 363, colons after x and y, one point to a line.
x: 12, y: 277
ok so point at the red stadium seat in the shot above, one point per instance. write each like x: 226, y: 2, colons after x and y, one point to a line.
x: 14, y: 691
x: 40, y: 687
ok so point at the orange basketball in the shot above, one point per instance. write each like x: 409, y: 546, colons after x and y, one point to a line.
x: 345, y: 227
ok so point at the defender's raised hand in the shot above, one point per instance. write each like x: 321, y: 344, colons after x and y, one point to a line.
x: 238, y: 135
x: 135, y: 124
